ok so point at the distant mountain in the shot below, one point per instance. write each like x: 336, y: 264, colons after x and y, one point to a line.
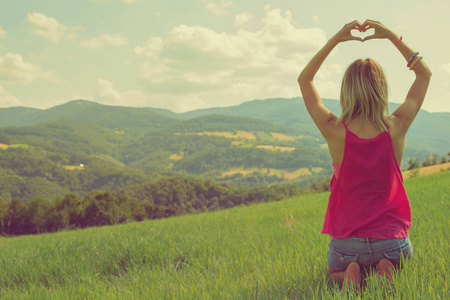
x: 17, y: 116
x: 126, y: 119
x: 215, y: 122
x: 429, y: 133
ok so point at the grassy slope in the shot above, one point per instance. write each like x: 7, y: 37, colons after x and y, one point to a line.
x: 272, y: 250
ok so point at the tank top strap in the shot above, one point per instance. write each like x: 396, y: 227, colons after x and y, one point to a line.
x: 345, y: 125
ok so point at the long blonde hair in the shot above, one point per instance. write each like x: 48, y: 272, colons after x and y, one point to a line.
x: 364, y: 92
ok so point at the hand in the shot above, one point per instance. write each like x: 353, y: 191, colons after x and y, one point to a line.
x: 345, y: 33
x: 381, y: 32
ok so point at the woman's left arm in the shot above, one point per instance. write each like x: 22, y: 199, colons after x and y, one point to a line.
x: 317, y: 110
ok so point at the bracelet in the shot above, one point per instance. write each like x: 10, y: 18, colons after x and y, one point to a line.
x: 411, y: 59
x: 399, y: 39
x: 415, y: 62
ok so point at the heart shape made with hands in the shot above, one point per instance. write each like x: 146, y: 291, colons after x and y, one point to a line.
x: 363, y: 34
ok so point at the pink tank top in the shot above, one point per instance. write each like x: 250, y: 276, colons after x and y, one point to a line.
x: 368, y: 198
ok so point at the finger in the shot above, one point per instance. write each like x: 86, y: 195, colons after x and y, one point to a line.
x: 357, y: 38
x: 366, y: 27
x: 369, y: 23
x: 354, y: 24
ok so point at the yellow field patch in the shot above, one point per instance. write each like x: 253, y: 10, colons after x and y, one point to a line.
x: 3, y: 146
x: 276, y: 148
x: 426, y: 170
x: 177, y: 156
x: 245, y: 135
x: 239, y: 170
x: 282, y: 137
x: 272, y: 172
x: 121, y: 132
x: 237, y: 143
x: 71, y: 168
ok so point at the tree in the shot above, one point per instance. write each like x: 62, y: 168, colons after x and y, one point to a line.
x: 413, y: 163
x: 35, y: 212
x: 3, y: 214
x: 15, y: 217
x: 430, y: 161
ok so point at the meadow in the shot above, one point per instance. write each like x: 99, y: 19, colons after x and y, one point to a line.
x: 266, y: 251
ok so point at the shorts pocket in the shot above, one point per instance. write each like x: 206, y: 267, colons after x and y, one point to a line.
x: 400, y: 253
x: 339, y: 261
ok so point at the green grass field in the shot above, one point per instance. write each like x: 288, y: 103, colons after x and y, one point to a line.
x: 266, y: 251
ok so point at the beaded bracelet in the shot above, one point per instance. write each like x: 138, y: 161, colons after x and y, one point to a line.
x: 415, y: 62
x: 399, y: 39
x: 411, y: 59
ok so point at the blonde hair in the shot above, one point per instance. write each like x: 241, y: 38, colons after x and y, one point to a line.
x: 364, y: 92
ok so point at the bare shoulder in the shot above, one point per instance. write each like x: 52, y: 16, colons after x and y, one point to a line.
x: 334, y: 130
x: 397, y: 127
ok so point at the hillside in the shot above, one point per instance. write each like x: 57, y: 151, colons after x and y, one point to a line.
x: 268, y: 251
x: 44, y: 160
x: 259, y: 142
x: 428, y: 134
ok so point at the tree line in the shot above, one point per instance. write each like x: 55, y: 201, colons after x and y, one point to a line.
x: 161, y: 199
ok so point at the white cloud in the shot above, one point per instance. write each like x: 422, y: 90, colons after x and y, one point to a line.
x: 196, y: 67
x: 242, y: 19
x: 218, y: 7
x: 106, y: 93
x: 13, y: 69
x: 8, y: 100
x: 2, y: 33
x: 104, y: 39
x: 200, y: 67
x: 49, y: 28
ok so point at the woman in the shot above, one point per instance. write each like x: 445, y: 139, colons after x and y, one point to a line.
x: 368, y: 213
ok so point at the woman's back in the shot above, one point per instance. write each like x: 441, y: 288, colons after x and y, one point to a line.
x: 336, y: 141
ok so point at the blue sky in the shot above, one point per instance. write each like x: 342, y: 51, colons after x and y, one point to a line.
x: 189, y: 54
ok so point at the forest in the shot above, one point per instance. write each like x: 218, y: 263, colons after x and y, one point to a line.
x: 161, y: 199
x: 84, y: 164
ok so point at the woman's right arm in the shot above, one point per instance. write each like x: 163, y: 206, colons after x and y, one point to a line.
x: 404, y: 115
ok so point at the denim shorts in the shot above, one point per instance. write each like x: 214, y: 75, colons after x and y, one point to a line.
x: 367, y: 252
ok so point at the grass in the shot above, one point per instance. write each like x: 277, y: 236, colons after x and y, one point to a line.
x: 266, y: 251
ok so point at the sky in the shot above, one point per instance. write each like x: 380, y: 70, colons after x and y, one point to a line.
x: 184, y: 55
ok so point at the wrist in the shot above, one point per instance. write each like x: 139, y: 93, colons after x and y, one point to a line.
x: 393, y: 37
x: 333, y: 41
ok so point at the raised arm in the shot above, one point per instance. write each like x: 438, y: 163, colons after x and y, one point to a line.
x: 404, y: 115
x: 317, y: 110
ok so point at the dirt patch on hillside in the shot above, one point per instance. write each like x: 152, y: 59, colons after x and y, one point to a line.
x: 426, y: 170
x: 271, y: 172
x: 71, y: 168
x: 282, y: 137
x: 177, y: 156
x: 276, y: 148
x: 3, y: 146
